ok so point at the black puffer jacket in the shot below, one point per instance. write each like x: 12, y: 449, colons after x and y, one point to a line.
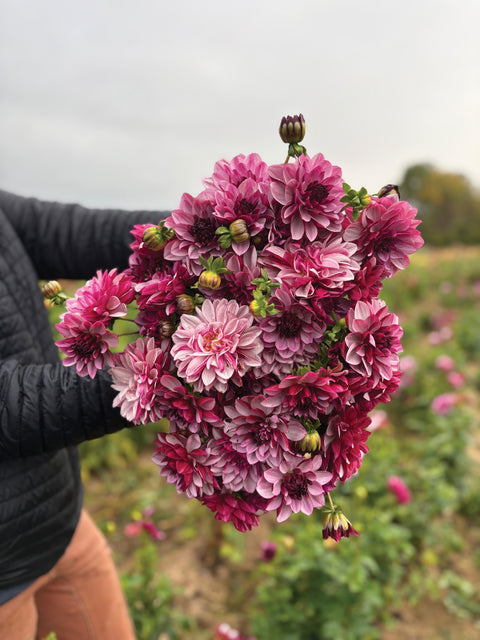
x: 45, y: 408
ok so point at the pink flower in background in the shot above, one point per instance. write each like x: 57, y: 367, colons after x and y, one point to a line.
x: 444, y: 334
x: 144, y: 523
x: 408, y: 367
x: 400, y: 490
x: 104, y: 297
x: 296, y: 485
x: 309, y: 190
x: 443, y: 404
x: 268, y: 550
x: 86, y: 345
x: 455, y: 379
x: 445, y: 363
x: 217, y: 345
x: 224, y: 631
x: 386, y: 231
x: 373, y: 344
x: 136, y: 376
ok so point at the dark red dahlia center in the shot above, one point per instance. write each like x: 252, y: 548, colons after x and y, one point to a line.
x: 263, y: 434
x: 245, y: 208
x: 289, y: 325
x: 296, y: 484
x: 316, y: 192
x: 85, y: 346
x: 203, y: 230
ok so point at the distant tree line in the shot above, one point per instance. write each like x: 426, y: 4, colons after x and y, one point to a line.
x: 448, y: 205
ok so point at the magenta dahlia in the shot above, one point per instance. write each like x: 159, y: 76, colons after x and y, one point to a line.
x: 387, y: 231
x: 217, y: 345
x: 373, y: 342
x: 309, y: 191
x: 86, y: 344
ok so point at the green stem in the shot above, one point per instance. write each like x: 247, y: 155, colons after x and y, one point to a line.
x: 330, y: 500
x: 131, y: 333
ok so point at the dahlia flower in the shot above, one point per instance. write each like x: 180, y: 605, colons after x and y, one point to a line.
x: 319, y: 269
x: 387, y: 231
x: 241, y: 509
x: 373, y: 344
x: 398, y: 487
x: 136, y: 377
x: 310, y: 395
x: 240, y: 168
x: 336, y: 525
x: 103, y: 298
x: 295, y: 485
x: 309, y: 190
x: 216, y: 346
x: 185, y: 463
x: 258, y: 431
x: 86, y: 345
x: 344, y: 443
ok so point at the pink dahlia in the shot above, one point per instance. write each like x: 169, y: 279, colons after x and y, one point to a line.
x: 322, y: 268
x: 295, y: 485
x: 309, y: 395
x: 184, y: 462
x: 309, y: 191
x: 216, y: 345
x: 237, y: 170
x: 258, y: 431
x: 443, y: 404
x: 103, y: 298
x: 194, y: 225
x: 373, y: 344
x: 235, y: 471
x: 387, y: 231
x: 162, y: 289
x: 143, y: 261
x: 136, y: 377
x: 85, y: 344
x: 291, y: 337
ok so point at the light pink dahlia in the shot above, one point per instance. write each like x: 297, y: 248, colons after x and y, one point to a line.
x: 216, y: 345
x: 309, y: 191
x: 103, y: 298
x: 237, y: 170
x: 387, y: 231
x: 85, y: 344
x: 373, y: 344
x: 296, y: 485
x: 136, y: 377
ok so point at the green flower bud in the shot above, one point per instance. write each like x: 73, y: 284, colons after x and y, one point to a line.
x: 165, y: 329
x: 310, y: 443
x: 239, y: 232
x: 153, y: 238
x: 50, y: 289
x: 292, y: 129
x: 209, y: 280
x: 185, y: 303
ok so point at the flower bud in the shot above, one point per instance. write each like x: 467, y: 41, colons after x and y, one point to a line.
x: 153, y: 238
x: 292, y: 128
x: 255, y: 308
x: 239, y: 232
x: 50, y: 289
x: 165, y: 329
x: 389, y: 190
x: 310, y: 443
x: 209, y: 280
x: 185, y: 303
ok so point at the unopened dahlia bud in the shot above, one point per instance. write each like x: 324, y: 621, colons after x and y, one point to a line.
x: 153, y: 238
x: 51, y: 289
x: 185, y: 303
x: 239, y: 232
x: 292, y: 128
x: 389, y: 190
x: 310, y: 443
x: 336, y: 525
x: 165, y: 329
x: 53, y: 292
x: 209, y: 280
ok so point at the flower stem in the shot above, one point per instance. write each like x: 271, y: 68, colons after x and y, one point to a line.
x: 130, y: 333
x: 288, y: 158
x: 330, y: 500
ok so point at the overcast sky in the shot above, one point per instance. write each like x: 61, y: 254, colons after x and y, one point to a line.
x: 129, y: 103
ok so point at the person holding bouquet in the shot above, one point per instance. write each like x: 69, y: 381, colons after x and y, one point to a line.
x: 56, y: 570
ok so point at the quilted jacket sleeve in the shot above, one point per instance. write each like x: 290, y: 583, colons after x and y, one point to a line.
x: 47, y: 407
x: 70, y: 241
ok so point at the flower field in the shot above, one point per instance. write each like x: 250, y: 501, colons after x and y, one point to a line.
x: 414, y: 571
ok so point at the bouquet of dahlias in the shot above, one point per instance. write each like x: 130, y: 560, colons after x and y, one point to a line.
x: 262, y: 338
